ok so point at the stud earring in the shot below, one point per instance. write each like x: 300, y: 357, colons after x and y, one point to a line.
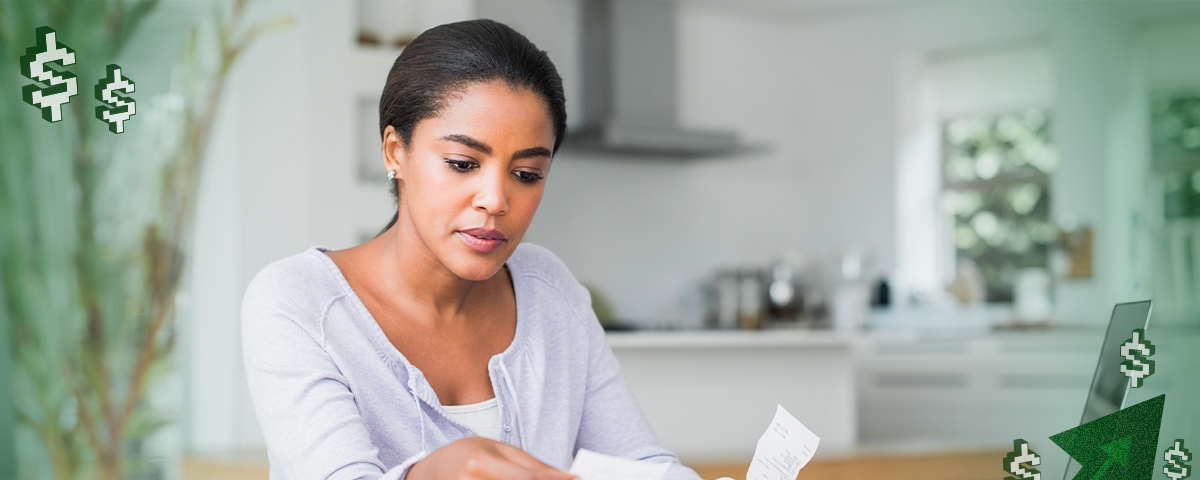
x: 391, y: 174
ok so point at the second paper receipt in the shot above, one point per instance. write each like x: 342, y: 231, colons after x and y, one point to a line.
x: 786, y: 446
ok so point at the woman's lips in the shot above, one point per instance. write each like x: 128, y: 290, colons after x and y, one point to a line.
x: 482, y: 239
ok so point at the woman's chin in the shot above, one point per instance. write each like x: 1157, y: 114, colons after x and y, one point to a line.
x: 476, y: 269
x: 471, y: 263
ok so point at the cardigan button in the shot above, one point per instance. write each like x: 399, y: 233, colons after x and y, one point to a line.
x: 507, y: 428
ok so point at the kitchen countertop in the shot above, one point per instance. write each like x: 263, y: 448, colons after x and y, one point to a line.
x: 670, y: 339
x: 824, y: 338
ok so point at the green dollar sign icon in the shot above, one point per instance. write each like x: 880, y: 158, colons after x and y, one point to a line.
x: 116, y: 108
x: 1175, y: 456
x: 56, y: 87
x: 1021, y: 454
x: 1135, y: 350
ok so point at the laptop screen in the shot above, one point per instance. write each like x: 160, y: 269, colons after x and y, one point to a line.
x: 1109, y: 385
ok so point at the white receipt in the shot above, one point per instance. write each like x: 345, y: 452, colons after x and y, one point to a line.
x: 783, y: 449
x: 589, y: 465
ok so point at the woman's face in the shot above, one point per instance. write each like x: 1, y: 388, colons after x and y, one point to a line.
x: 473, y: 176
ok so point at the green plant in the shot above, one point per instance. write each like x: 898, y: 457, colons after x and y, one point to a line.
x: 94, y: 233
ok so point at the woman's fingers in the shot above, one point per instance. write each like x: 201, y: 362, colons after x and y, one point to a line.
x: 524, y: 459
x: 488, y: 467
x: 520, y: 457
x: 512, y: 463
x: 477, y: 458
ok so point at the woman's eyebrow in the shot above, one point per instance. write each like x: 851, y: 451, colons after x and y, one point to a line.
x: 469, y: 142
x: 531, y: 152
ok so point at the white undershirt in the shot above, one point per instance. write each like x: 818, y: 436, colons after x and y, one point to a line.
x: 482, y: 417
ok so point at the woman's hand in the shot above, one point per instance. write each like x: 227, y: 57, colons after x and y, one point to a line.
x: 478, y: 458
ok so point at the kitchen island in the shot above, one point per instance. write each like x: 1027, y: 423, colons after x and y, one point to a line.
x: 709, y: 395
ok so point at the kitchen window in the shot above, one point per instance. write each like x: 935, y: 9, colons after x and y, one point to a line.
x: 996, y: 189
x: 1175, y: 137
x: 1175, y: 126
x: 973, y: 166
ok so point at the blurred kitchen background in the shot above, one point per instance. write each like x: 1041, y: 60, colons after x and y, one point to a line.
x: 906, y: 222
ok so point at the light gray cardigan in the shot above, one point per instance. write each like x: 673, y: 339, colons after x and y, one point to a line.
x: 336, y: 400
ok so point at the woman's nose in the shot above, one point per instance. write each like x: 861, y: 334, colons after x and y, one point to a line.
x: 491, y: 197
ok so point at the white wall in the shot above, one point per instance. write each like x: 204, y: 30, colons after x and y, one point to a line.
x: 641, y: 230
x: 825, y: 91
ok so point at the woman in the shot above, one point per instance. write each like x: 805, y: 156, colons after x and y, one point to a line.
x: 444, y: 349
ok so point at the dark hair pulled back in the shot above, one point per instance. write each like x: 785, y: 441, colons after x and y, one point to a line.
x: 450, y: 57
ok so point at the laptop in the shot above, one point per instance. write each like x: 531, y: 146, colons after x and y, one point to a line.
x: 1109, y: 385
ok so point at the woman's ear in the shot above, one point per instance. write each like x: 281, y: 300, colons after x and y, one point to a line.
x: 394, y: 153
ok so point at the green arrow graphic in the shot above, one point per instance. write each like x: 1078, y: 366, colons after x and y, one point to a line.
x: 1128, y: 438
x: 1118, y: 451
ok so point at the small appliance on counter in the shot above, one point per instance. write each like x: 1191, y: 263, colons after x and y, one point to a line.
x: 784, y: 299
x: 852, y: 296
x: 782, y: 294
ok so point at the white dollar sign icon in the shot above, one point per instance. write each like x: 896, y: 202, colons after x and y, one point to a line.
x: 117, y: 108
x: 1175, y: 456
x: 60, y: 86
x: 1022, y: 454
x: 1136, y: 366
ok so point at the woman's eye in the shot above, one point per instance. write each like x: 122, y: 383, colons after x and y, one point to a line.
x: 460, y: 165
x: 527, y: 177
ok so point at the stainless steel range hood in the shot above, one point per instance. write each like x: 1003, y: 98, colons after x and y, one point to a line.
x: 629, y: 85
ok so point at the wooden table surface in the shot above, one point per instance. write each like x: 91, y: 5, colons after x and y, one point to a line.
x: 975, y: 465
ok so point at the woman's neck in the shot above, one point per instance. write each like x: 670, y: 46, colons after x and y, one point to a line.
x: 410, y: 273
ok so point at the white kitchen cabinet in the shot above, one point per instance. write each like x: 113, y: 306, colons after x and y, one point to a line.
x: 972, y: 391
x: 710, y: 395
